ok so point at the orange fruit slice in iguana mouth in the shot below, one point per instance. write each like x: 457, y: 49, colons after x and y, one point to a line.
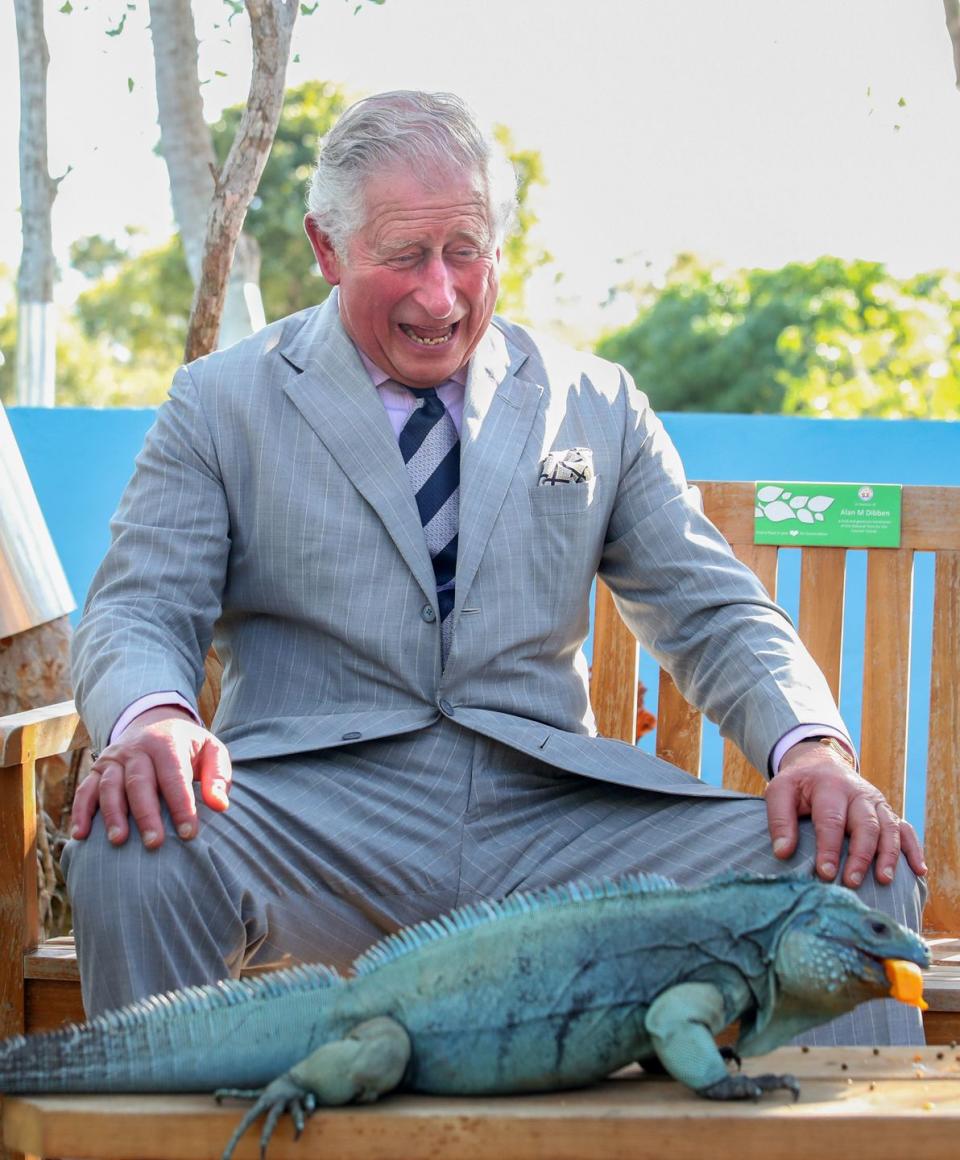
x: 906, y: 982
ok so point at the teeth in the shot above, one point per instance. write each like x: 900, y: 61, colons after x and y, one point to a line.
x: 438, y: 341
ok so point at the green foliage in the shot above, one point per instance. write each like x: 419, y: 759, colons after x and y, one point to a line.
x: 521, y: 255
x: 126, y: 335
x: 95, y: 255
x: 829, y: 338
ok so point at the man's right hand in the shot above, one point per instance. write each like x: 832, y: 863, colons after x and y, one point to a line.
x: 159, y: 756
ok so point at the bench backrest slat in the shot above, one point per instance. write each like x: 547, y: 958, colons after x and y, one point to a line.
x: 886, y: 671
x: 942, y: 829
x: 679, y: 728
x: 823, y: 573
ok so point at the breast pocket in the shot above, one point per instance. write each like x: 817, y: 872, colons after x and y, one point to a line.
x: 563, y: 499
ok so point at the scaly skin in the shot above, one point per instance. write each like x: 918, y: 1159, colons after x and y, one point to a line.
x: 535, y: 993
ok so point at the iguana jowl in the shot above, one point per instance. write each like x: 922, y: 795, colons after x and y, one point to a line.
x: 540, y: 991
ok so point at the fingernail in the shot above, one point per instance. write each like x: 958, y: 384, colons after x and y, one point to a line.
x: 114, y: 834
x: 886, y: 873
x: 75, y: 832
x: 218, y: 790
x: 185, y: 830
x: 827, y: 869
x: 856, y: 877
x: 149, y: 837
x: 780, y: 846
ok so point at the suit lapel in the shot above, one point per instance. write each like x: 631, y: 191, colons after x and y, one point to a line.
x: 498, y: 413
x: 333, y: 392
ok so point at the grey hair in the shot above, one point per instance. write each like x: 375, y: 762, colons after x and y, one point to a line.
x: 429, y: 133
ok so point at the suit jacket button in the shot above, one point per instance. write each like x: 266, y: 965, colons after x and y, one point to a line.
x: 428, y: 614
x: 351, y: 736
x: 446, y: 708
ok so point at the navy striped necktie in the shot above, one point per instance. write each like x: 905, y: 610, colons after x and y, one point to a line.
x: 430, y: 447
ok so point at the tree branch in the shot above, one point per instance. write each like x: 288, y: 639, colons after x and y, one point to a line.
x: 271, y: 26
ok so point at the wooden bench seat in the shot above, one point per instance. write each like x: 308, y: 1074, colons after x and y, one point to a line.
x: 853, y: 1104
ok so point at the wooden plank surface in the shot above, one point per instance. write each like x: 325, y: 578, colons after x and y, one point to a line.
x: 738, y: 773
x: 44, y: 732
x: 613, y: 682
x: 679, y: 727
x: 942, y: 834
x: 853, y: 1103
x: 19, y: 915
x: 941, y: 986
x: 945, y: 950
x: 55, y: 959
x: 50, y: 1004
x: 820, y: 624
x: 886, y: 673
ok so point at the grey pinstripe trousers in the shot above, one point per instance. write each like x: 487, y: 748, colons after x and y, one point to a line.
x: 322, y: 853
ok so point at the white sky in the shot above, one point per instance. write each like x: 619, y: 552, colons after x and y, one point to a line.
x: 749, y: 131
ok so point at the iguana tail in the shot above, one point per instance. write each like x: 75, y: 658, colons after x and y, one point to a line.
x: 240, y: 1033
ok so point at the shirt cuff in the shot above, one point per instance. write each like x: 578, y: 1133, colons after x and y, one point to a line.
x: 800, y: 733
x: 150, y: 701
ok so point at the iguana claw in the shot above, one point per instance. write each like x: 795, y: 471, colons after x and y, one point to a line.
x: 283, y: 1095
x: 749, y: 1087
x: 730, y: 1055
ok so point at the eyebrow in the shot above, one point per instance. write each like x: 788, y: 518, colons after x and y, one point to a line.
x: 458, y: 239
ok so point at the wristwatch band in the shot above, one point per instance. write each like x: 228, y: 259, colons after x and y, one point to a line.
x: 837, y: 746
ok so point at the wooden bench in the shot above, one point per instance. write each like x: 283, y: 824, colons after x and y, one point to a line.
x: 853, y: 1104
x: 39, y: 986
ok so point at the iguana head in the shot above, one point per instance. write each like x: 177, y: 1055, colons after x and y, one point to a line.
x: 832, y: 954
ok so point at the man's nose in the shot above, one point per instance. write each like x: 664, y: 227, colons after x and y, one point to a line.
x: 436, y: 293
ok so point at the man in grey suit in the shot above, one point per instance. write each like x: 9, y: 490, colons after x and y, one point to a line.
x: 387, y: 513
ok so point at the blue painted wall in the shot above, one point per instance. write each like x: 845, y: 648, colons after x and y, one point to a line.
x: 79, y: 460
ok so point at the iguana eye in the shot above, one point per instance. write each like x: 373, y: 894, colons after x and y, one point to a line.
x: 879, y: 928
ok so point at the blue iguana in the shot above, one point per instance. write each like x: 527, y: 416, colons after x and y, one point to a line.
x: 540, y: 991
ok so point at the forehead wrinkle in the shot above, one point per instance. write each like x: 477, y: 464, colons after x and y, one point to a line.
x: 466, y: 216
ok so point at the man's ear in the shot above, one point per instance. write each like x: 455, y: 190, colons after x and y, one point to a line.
x: 326, y: 255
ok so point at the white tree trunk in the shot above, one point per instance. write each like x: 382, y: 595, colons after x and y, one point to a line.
x: 36, y: 353
x: 36, y: 349
x: 187, y: 149
x: 952, y: 12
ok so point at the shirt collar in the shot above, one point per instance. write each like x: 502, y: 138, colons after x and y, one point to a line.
x: 378, y: 376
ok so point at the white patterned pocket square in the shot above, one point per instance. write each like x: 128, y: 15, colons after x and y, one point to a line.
x: 574, y: 465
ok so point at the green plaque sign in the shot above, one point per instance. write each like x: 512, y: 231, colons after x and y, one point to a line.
x: 838, y: 515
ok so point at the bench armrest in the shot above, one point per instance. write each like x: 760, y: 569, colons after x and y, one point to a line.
x: 40, y: 733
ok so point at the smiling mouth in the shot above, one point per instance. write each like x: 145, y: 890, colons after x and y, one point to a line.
x: 423, y: 336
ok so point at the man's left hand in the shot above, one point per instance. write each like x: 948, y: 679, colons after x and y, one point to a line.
x: 815, y: 781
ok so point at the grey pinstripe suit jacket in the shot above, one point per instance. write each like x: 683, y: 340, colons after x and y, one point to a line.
x: 271, y: 500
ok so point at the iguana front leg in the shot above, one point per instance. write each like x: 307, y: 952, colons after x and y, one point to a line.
x: 370, y: 1061
x: 682, y: 1023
